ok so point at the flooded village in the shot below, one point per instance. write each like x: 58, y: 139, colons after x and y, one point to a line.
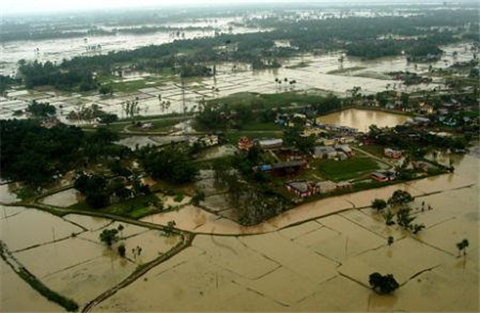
x: 241, y: 158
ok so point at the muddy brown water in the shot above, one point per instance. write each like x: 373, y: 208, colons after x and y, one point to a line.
x: 319, y: 265
x: 362, y: 119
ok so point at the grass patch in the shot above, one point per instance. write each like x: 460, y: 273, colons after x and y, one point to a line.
x: 285, y: 99
x: 160, y: 125
x: 347, y: 169
x: 36, y: 284
x: 133, y: 208
x: 299, y: 65
x: 373, y: 149
x: 232, y: 137
x: 347, y: 69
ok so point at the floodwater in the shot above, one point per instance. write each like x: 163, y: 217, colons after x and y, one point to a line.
x: 362, y: 119
x: 55, y: 50
x: 322, y: 73
x: 63, y: 199
x: 316, y: 257
x: 7, y: 195
x: 79, y: 266
x: 324, y: 264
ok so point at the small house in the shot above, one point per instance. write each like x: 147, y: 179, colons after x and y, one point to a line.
x: 344, y: 184
x: 326, y: 186
x: 392, y: 153
x: 301, y: 188
x: 344, y: 149
x: 244, y: 143
x: 426, y: 108
x: 384, y: 175
x: 324, y: 152
x: 421, y: 120
x: 269, y: 143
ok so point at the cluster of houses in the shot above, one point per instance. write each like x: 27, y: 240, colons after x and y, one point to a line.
x: 305, y: 188
x: 339, y: 152
x: 204, y: 141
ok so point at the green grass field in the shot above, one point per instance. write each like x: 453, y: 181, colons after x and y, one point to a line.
x: 347, y: 169
x: 133, y: 208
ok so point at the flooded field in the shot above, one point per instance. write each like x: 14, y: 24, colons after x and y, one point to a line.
x: 63, y: 199
x: 303, y: 260
x: 68, y: 257
x: 310, y: 267
x: 55, y: 50
x: 322, y: 73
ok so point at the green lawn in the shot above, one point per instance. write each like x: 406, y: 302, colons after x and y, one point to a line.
x: 347, y: 169
x: 134, y: 208
x: 270, y: 100
x: 373, y: 149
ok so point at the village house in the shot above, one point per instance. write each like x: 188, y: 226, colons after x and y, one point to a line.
x: 269, y: 143
x: 344, y: 185
x: 313, y: 131
x: 384, y: 175
x: 301, y: 188
x: 244, y: 143
x: 392, y: 153
x: 206, y: 141
x: 324, y: 152
x: 327, y: 141
x: 426, y: 108
x: 344, y: 149
x: 424, y: 166
x: 326, y: 186
x: 347, y: 139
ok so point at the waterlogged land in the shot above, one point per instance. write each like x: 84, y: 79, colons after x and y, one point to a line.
x: 303, y: 260
x: 322, y: 74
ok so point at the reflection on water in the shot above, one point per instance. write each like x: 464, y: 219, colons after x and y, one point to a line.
x: 362, y: 119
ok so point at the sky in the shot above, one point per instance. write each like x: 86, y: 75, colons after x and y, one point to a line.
x: 23, y: 6
x: 53, y: 6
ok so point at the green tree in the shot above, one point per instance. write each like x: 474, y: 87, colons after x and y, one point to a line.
x: 390, y: 240
x: 122, y: 250
x: 400, y: 197
x: 108, y: 118
x: 109, y: 236
x: 106, y: 89
x: 383, y: 284
x: 404, y: 218
x: 171, y: 164
x: 170, y: 227
x: 198, y: 197
x: 389, y: 218
x: 41, y: 110
x: 379, y: 204
x: 462, y: 246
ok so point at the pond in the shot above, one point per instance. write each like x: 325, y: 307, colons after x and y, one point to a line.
x: 362, y: 119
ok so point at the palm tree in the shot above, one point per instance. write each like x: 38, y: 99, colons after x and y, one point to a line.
x: 462, y: 245
x: 465, y: 245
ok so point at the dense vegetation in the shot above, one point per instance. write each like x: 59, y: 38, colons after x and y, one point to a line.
x: 37, y: 155
x: 239, y: 111
x: 171, y: 164
x: 41, y: 74
x: 365, y: 37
